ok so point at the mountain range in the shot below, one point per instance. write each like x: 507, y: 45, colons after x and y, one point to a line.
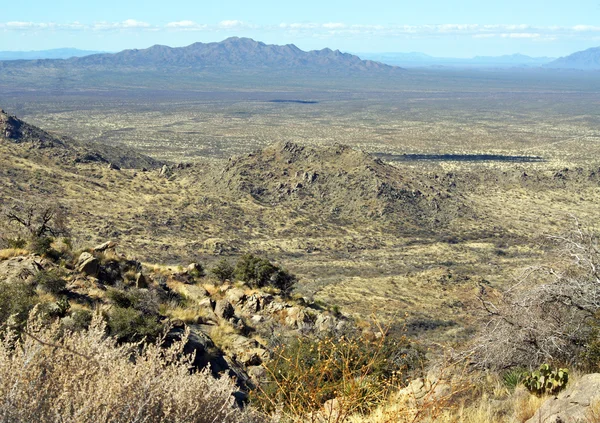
x: 416, y: 59
x: 583, y: 60
x: 237, y: 54
x: 234, y: 54
x: 57, y: 53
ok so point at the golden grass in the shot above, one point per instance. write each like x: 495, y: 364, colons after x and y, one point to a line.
x: 12, y: 252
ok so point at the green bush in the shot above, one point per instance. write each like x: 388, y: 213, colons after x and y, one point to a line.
x: 223, y: 270
x: 40, y: 245
x: 259, y: 273
x: 546, y: 380
x: 16, y: 299
x: 131, y: 325
x: 50, y: 281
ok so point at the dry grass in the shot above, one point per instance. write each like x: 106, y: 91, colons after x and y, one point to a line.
x: 593, y: 413
x: 85, y: 377
x: 12, y: 252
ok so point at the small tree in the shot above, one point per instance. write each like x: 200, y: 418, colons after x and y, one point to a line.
x: 35, y: 224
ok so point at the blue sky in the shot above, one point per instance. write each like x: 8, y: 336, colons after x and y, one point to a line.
x: 462, y: 28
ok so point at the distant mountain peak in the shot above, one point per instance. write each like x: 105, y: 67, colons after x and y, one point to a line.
x: 582, y: 60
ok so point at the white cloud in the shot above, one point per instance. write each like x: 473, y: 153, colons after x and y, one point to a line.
x: 334, y: 25
x: 328, y: 29
x: 231, y: 24
x: 521, y: 35
x: 181, y: 24
x: 126, y: 24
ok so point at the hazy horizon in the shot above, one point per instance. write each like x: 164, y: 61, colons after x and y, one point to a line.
x: 459, y: 29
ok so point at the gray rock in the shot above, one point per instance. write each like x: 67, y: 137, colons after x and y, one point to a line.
x: 235, y: 296
x: 571, y: 405
x: 17, y: 269
x: 108, y: 245
x: 224, y: 309
x: 88, y: 264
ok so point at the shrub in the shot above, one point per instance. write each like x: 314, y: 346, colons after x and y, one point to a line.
x: 513, y: 378
x: 40, y: 245
x: 131, y: 325
x: 51, y: 281
x: 223, y: 270
x: 549, y: 315
x: 304, y: 375
x: 86, y: 377
x: 16, y: 299
x: 259, y: 273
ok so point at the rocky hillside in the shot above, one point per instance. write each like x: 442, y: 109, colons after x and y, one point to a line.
x: 233, y: 326
x: 340, y: 183
x: 32, y: 138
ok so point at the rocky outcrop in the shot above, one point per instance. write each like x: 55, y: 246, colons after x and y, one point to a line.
x: 571, y: 405
x: 88, y: 264
x: 17, y: 269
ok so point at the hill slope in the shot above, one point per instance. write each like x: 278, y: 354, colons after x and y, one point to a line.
x: 338, y: 182
x: 583, y: 60
x: 15, y: 131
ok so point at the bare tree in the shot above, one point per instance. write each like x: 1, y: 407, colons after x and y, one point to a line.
x: 548, y: 315
x: 37, y: 220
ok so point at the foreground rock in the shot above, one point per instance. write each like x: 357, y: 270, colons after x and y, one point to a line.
x: 571, y: 405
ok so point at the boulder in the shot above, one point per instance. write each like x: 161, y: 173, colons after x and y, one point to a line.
x: 108, y: 245
x: 88, y: 264
x: 572, y: 405
x: 235, y: 296
x: 224, y: 309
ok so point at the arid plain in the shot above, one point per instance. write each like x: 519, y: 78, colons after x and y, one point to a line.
x: 511, y: 155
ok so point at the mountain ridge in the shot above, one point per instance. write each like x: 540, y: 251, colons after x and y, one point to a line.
x: 588, y: 59
x: 233, y: 53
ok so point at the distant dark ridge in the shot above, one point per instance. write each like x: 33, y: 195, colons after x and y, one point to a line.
x: 458, y: 158
x: 294, y: 101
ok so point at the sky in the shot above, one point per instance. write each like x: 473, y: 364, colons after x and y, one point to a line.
x: 443, y: 28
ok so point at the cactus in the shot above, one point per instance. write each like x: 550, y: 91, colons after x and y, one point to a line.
x: 546, y: 380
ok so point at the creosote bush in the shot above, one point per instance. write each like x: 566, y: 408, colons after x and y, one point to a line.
x: 86, y: 377
x: 16, y: 300
x: 260, y: 272
x: 223, y: 270
x: 51, y: 281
